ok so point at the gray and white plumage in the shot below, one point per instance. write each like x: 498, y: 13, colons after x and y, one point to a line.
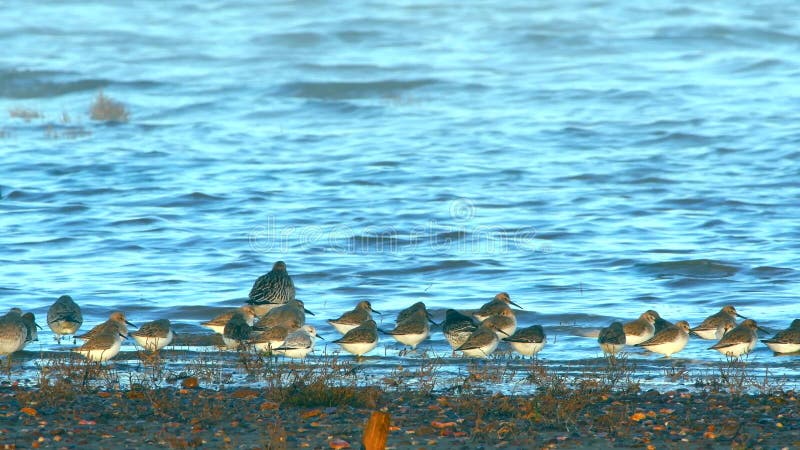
x: 496, y: 306
x: 353, y: 318
x: 299, y: 343
x: 64, y: 317
x: 716, y: 325
x: 155, y: 335
x: 411, y: 310
x: 116, y: 320
x: 612, y: 338
x: 12, y: 332
x: 291, y: 315
x: 481, y: 343
x: 268, y: 339
x: 457, y: 327
x: 668, y: 341
x: 412, y: 330
x: 527, y: 341
x: 739, y: 341
x: 103, y: 345
x: 272, y: 289
x: 361, y: 339
x: 641, y: 329
x: 785, y: 341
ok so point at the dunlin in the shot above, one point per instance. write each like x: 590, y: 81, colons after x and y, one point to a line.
x: 739, y: 341
x: 351, y: 319
x: 237, y: 331
x: 411, y: 310
x: 715, y: 325
x: 116, y: 320
x: 361, y: 339
x: 412, y: 330
x: 64, y: 317
x: 641, y: 329
x: 659, y: 323
x: 504, y: 323
x: 155, y: 335
x: 481, y: 343
x: 272, y: 289
x: 612, y: 338
x: 669, y: 340
x: 291, y: 315
x: 30, y: 325
x: 103, y: 345
x: 299, y: 343
x: 527, y: 341
x: 457, y: 327
x: 786, y: 341
x: 268, y: 339
x: 217, y: 324
x: 12, y: 332
x: 499, y: 303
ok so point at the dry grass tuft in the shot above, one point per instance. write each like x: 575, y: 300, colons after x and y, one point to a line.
x: 107, y: 109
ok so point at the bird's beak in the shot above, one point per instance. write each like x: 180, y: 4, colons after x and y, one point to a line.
x: 320, y: 336
x: 309, y: 312
x: 376, y: 312
x: 38, y: 326
x: 512, y: 303
x: 134, y: 326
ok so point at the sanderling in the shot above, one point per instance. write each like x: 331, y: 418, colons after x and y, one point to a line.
x: 361, y: 339
x: 291, y: 315
x: 641, y: 329
x: 740, y: 340
x: 155, y: 335
x: 272, y: 289
x: 612, y: 338
x: 785, y: 341
x: 669, y: 340
x: 457, y: 327
x: 299, y: 343
x: 116, y: 319
x: 103, y: 345
x: 715, y: 325
x: 499, y: 303
x: 481, y: 343
x: 64, y: 317
x: 412, y: 330
x: 527, y: 341
x: 353, y: 318
x: 217, y: 324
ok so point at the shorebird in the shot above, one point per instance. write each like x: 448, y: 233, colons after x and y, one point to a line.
x: 64, y: 317
x: 641, y: 329
x: 353, y: 318
x: 272, y: 289
x: 527, y: 341
x: 103, y: 345
x: 659, y: 323
x: 299, y: 343
x: 504, y: 323
x: 12, y: 332
x: 412, y: 330
x: 411, y: 310
x: 457, y: 327
x: 612, y: 339
x: 361, y: 339
x: 237, y: 331
x: 291, y: 315
x: 217, y: 324
x: 785, y: 341
x: 155, y: 335
x: 740, y: 340
x: 499, y: 303
x: 268, y: 339
x: 116, y: 319
x: 30, y: 326
x: 481, y: 343
x: 670, y: 340
x: 715, y: 325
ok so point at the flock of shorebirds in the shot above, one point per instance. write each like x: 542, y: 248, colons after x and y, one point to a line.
x: 273, y: 321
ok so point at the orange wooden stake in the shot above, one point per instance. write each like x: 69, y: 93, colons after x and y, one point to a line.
x: 376, y: 432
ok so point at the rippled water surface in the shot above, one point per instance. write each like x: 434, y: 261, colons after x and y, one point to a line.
x: 593, y: 159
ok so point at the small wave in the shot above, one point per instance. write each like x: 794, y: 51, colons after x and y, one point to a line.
x: 339, y: 90
x: 192, y: 199
x: 136, y: 221
x: 767, y: 272
x: 693, y: 268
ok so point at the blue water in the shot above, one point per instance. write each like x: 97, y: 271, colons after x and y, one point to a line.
x: 594, y: 159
